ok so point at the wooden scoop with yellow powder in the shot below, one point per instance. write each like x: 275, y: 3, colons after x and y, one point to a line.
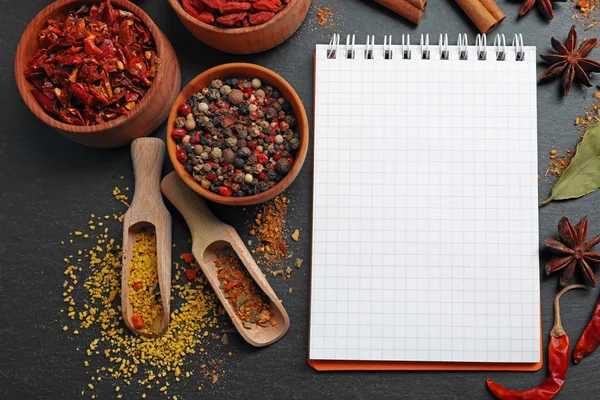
x: 146, y: 276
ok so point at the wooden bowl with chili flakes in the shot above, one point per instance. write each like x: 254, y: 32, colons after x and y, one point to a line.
x: 251, y: 39
x: 268, y: 77
x: 148, y: 113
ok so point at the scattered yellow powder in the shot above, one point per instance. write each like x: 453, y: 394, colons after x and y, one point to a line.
x: 144, y: 293
x: 94, y: 279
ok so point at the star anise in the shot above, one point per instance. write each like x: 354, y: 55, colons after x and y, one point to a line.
x: 573, y: 251
x: 544, y: 5
x: 570, y: 61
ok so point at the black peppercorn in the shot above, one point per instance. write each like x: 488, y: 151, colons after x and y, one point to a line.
x: 283, y: 166
x: 244, y: 152
x: 243, y: 109
x: 271, y: 175
x: 238, y: 162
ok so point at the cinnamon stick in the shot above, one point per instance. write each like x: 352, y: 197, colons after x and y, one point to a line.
x: 480, y: 15
x: 418, y: 3
x: 405, y: 9
x: 494, y: 9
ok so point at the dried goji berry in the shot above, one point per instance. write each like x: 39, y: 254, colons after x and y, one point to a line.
x: 206, y: 17
x: 265, y: 5
x: 245, y: 22
x: 234, y: 7
x: 231, y: 19
x: 189, y: 8
x: 198, y: 5
x: 216, y: 4
x: 260, y: 17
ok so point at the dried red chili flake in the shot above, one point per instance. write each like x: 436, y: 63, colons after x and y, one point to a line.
x: 187, y: 257
x: 232, y: 13
x: 93, y: 66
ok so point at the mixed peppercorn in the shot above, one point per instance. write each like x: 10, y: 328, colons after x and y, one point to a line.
x: 94, y: 66
x: 246, y: 298
x: 236, y: 137
x: 233, y: 14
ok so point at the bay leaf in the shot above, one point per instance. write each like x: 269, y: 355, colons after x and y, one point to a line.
x: 241, y: 301
x: 582, y: 176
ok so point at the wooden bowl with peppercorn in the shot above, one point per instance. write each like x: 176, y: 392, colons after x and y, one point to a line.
x: 97, y: 85
x: 252, y: 27
x: 238, y: 134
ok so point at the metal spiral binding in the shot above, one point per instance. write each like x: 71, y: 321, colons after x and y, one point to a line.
x: 444, y: 53
x: 350, y: 53
x: 424, y: 47
x: 406, y: 51
x: 388, y: 54
x: 334, y: 43
x: 462, y: 43
x: 518, y: 44
x: 481, y: 48
x: 370, y: 47
x: 500, y: 47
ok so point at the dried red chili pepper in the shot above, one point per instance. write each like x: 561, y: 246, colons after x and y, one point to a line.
x: 590, y: 339
x: 94, y: 65
x: 44, y: 101
x: 558, y: 362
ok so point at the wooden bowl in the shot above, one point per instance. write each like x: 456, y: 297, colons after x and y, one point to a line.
x: 267, y: 77
x: 249, y: 40
x: 148, y: 114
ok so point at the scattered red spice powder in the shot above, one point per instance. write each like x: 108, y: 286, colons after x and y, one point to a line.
x: 587, y: 12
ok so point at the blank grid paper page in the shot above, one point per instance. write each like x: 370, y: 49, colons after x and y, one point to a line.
x: 425, y: 219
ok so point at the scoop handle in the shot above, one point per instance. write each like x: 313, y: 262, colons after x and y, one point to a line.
x: 148, y: 155
x: 204, y: 226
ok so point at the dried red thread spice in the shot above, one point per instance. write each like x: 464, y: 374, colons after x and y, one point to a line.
x: 94, y: 66
x: 558, y: 363
x: 590, y: 339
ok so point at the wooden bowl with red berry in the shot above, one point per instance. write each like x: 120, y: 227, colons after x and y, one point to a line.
x: 100, y: 91
x: 238, y: 134
x: 241, y: 26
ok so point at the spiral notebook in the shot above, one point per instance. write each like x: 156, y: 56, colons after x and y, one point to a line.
x: 425, y: 215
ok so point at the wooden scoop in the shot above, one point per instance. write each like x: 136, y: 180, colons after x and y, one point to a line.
x: 208, y: 235
x: 148, y: 210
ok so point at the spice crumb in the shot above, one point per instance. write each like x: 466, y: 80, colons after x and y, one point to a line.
x: 296, y: 235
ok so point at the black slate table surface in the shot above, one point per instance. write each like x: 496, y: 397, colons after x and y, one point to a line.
x: 51, y: 185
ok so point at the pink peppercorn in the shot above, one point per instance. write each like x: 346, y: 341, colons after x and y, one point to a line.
x: 178, y: 133
x: 261, y: 158
x: 181, y: 156
x: 184, y: 109
x: 224, y: 191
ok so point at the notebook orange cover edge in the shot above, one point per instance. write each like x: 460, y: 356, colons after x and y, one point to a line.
x: 356, y: 365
